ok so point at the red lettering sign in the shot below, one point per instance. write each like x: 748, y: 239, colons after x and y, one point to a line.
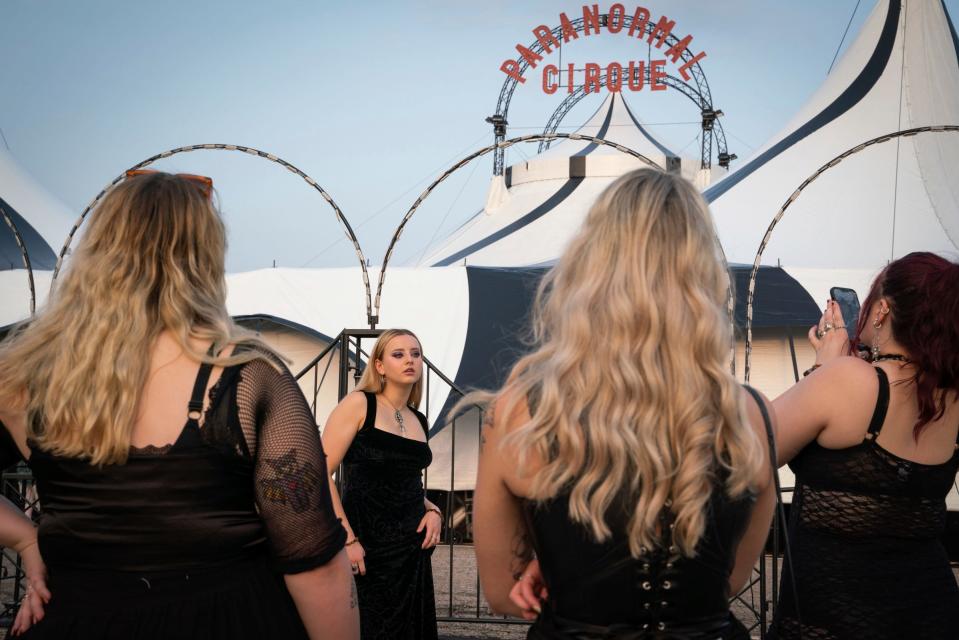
x: 640, y: 27
x: 549, y: 85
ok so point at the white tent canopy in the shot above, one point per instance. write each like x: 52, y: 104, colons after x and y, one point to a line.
x: 901, y: 72
x: 536, y: 206
x: 34, y: 208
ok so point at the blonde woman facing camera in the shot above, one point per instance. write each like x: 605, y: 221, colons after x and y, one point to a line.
x: 180, y: 472
x: 621, y: 450
x: 380, y: 436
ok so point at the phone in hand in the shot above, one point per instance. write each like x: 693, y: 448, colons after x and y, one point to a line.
x: 848, y: 302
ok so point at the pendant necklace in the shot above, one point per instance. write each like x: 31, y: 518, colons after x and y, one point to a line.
x: 397, y: 416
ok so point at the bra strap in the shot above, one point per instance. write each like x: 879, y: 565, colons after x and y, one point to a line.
x: 882, y: 406
x: 195, y: 406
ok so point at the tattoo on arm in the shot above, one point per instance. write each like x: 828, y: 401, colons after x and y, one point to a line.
x: 522, y: 552
x: 293, y: 484
x: 487, y: 425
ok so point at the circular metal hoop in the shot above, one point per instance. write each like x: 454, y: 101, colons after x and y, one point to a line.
x: 711, y: 128
x: 25, y: 255
x: 536, y: 137
x: 792, y: 198
x: 229, y: 147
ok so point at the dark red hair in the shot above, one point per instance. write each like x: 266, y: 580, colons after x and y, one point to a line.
x: 922, y: 290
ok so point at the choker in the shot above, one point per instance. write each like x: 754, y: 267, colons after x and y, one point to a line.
x: 892, y: 356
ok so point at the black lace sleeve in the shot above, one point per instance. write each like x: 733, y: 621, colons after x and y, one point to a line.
x: 292, y: 486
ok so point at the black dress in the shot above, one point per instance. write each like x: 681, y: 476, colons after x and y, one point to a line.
x: 383, y: 501
x: 598, y: 591
x: 865, y: 534
x: 190, y: 540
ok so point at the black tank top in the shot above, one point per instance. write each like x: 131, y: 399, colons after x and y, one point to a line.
x: 865, y: 529
x: 179, y: 508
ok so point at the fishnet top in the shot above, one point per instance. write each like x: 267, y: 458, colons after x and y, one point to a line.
x: 865, y: 531
x: 251, y: 476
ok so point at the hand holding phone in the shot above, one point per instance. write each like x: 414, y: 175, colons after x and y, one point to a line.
x: 848, y: 302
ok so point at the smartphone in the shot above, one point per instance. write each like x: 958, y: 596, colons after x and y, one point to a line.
x: 849, y: 305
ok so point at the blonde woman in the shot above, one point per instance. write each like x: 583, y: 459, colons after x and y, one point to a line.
x: 621, y: 451
x: 180, y: 472
x: 380, y: 437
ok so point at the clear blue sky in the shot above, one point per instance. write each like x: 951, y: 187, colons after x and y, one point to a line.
x: 372, y: 99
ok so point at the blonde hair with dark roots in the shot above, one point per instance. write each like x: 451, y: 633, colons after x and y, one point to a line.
x: 151, y: 259
x: 370, y: 381
x: 630, y: 372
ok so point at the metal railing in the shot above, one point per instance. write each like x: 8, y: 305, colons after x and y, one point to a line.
x: 757, y: 600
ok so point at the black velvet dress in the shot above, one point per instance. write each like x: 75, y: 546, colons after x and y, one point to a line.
x: 383, y: 500
x: 865, y: 528
x: 190, y: 540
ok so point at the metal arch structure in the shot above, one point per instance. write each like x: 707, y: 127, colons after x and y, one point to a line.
x: 793, y: 197
x: 498, y: 119
x: 574, y: 98
x: 25, y: 255
x: 341, y: 218
x: 503, y: 144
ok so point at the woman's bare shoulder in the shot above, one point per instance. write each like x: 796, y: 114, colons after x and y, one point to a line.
x: 354, y: 402
x: 509, y: 409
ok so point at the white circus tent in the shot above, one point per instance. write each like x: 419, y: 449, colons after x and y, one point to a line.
x: 901, y: 72
x: 43, y: 222
x: 535, y: 207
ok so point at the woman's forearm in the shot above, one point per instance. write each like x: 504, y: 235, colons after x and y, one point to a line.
x: 325, y: 598
x: 340, y: 513
x: 16, y: 530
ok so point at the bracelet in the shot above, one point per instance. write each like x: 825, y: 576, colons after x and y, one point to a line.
x: 436, y: 511
x: 353, y: 541
x: 810, y: 370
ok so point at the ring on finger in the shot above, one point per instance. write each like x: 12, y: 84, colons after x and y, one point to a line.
x: 820, y: 333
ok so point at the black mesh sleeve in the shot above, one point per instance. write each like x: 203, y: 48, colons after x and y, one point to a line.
x: 291, y: 483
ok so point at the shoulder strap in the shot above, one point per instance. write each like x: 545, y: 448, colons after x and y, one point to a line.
x: 882, y: 406
x: 370, y: 420
x: 780, y: 509
x: 424, y: 422
x: 195, y: 406
x: 766, y: 423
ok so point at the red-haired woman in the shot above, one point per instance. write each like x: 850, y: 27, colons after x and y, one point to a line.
x: 874, y: 444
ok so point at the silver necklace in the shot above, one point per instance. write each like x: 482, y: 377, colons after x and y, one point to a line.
x: 397, y: 416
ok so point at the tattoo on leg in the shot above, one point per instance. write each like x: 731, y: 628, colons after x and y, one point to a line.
x: 352, y: 593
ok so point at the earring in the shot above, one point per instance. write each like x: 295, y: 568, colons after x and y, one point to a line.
x: 382, y: 382
x: 877, y: 325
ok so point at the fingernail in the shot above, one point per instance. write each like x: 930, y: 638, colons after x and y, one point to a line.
x: 537, y: 608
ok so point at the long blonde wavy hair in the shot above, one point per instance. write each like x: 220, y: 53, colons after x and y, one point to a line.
x: 151, y: 259
x: 370, y: 380
x: 629, y: 380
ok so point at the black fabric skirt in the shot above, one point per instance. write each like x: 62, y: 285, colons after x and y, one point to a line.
x: 244, y: 600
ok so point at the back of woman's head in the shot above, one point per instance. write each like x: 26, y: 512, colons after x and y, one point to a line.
x: 150, y: 259
x: 157, y: 241
x: 630, y: 380
x: 922, y: 291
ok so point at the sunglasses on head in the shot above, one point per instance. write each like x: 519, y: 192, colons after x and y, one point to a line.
x: 205, y: 183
